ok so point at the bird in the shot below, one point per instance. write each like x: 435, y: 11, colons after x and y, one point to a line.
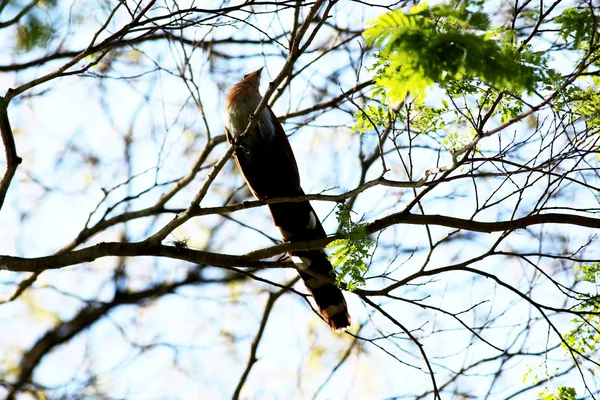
x: 267, y: 162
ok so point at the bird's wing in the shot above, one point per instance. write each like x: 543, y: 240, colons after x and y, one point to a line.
x: 267, y: 161
x: 252, y: 177
x: 280, y: 134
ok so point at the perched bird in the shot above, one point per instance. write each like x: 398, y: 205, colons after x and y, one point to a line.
x: 269, y: 167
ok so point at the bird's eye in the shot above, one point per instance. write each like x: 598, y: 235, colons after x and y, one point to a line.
x: 247, y: 75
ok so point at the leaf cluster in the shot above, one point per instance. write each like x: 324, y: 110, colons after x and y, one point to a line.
x: 456, y: 140
x: 587, y: 106
x: 585, y: 337
x: 425, y: 119
x: 577, y: 23
x: 562, y: 393
x: 371, y: 117
x: 589, y: 273
x: 442, y: 44
x: 349, y: 253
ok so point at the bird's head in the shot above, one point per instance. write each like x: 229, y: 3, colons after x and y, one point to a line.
x: 253, y: 78
x: 245, y: 90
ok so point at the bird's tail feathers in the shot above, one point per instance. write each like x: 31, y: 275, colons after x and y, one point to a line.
x: 299, y: 222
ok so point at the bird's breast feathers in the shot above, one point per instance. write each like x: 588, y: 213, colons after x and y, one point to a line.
x: 237, y: 119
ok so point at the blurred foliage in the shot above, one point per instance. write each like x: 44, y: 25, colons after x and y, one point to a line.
x: 577, y: 23
x: 38, y: 310
x: 33, y: 24
x: 33, y: 33
x: 349, y: 253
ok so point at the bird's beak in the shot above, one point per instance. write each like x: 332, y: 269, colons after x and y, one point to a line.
x: 255, y: 74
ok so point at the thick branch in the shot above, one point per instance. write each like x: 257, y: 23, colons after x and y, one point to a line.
x: 252, y: 259
x: 486, y: 227
x: 108, y: 249
x: 440, y: 220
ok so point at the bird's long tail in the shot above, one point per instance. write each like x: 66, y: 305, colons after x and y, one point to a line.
x: 299, y: 222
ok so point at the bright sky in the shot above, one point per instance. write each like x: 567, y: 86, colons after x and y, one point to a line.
x: 92, y: 115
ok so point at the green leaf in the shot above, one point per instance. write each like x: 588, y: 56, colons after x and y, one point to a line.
x: 584, y: 338
x: 577, y: 23
x: 371, y: 117
x: 561, y: 393
x: 348, y: 254
x: 441, y: 45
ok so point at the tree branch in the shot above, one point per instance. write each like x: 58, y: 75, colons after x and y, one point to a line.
x: 252, y: 258
x: 10, y: 149
x: 254, y: 347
